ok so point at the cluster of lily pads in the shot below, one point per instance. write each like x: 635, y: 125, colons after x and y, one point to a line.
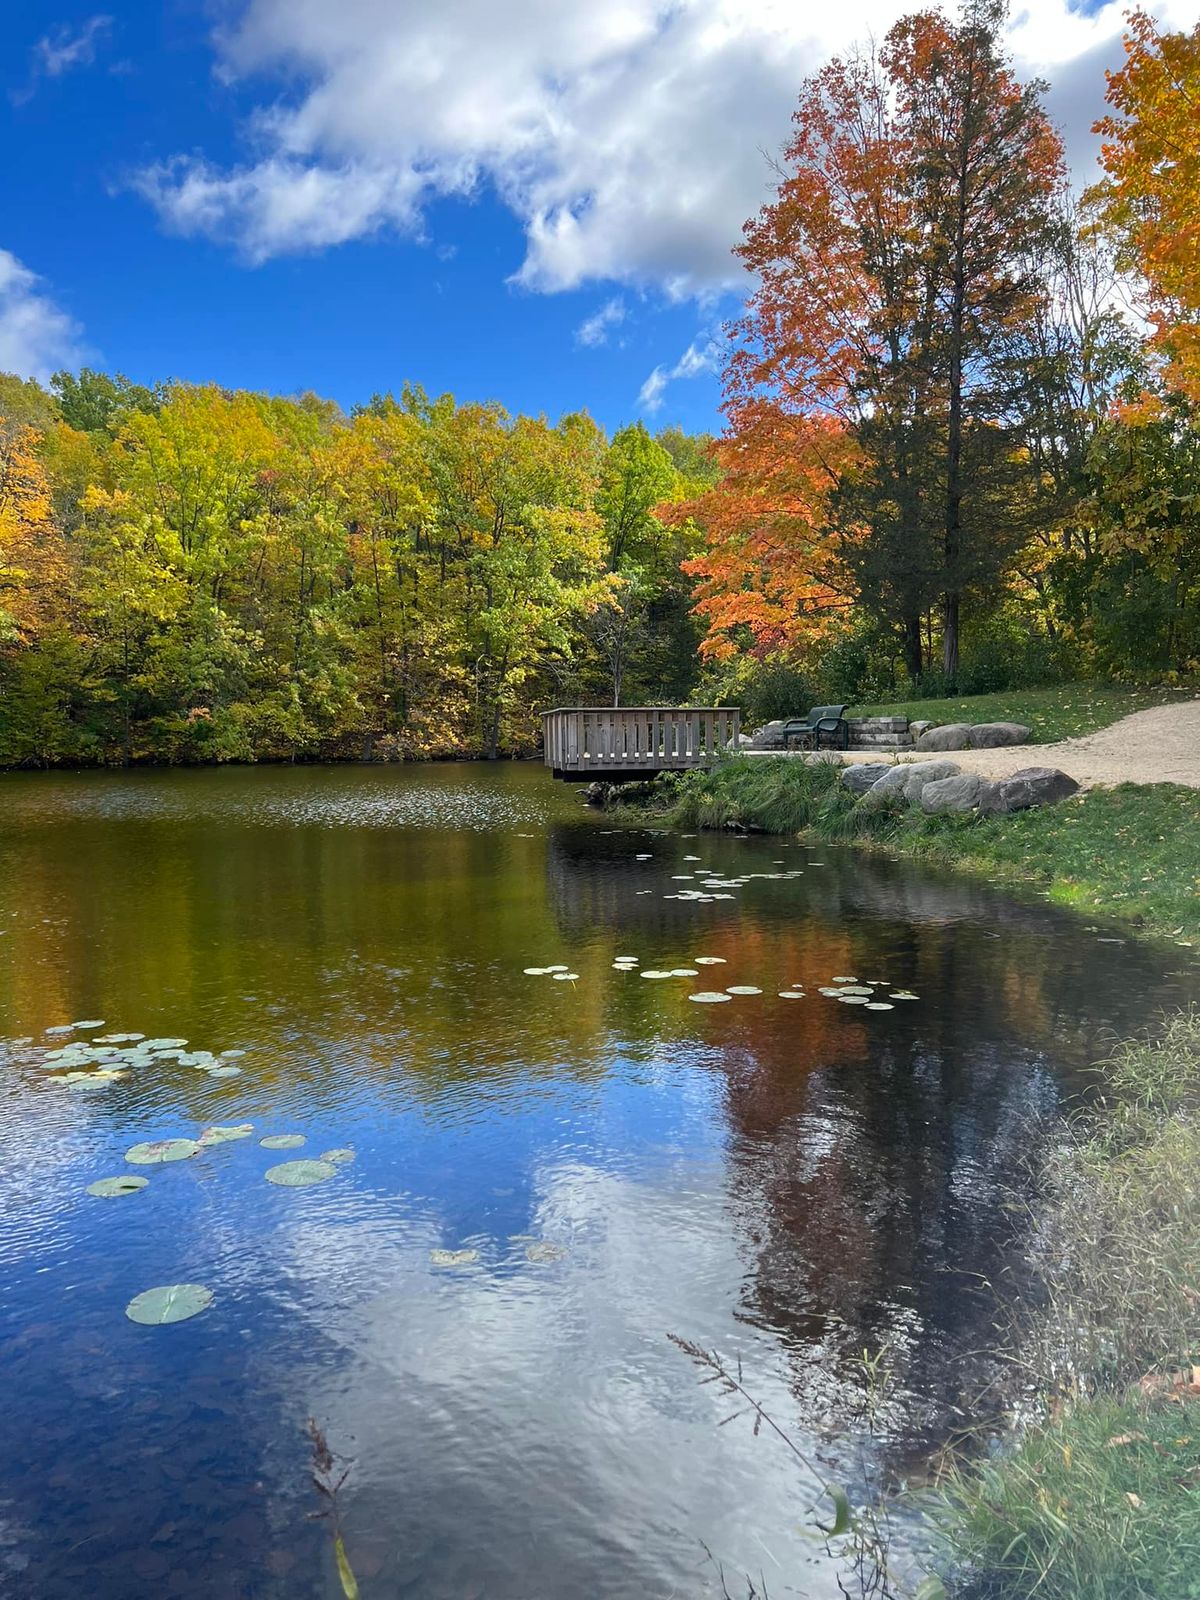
x: 176, y: 1302
x: 713, y: 887
x: 847, y: 989
x: 541, y: 1252
x: 853, y: 993
x: 107, y: 1057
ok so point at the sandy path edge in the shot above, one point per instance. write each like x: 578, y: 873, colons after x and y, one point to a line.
x: 1159, y: 745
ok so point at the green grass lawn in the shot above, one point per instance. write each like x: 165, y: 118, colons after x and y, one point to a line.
x: 1132, y: 852
x: 1097, y: 1498
x: 1062, y: 712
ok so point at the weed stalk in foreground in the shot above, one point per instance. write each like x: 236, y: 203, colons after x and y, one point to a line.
x: 328, y: 1482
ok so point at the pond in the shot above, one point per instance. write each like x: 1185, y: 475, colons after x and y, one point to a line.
x: 549, y: 1176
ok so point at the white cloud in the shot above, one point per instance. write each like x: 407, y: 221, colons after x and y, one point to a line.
x: 63, y: 50
x: 36, y: 336
x: 651, y: 393
x: 701, y: 356
x: 595, y: 329
x: 628, y: 136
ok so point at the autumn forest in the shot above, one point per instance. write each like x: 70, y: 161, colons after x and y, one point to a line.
x: 960, y: 454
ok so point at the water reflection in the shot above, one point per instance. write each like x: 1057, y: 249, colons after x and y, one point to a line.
x: 785, y: 1180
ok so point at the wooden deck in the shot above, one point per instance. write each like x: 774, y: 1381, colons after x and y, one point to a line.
x: 615, y: 744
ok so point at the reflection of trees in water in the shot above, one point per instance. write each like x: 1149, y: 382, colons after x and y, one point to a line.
x: 873, y: 1190
x: 874, y: 1158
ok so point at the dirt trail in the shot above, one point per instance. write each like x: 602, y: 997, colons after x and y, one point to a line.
x: 1160, y: 745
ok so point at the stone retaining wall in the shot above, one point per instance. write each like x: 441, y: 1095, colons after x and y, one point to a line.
x: 880, y: 733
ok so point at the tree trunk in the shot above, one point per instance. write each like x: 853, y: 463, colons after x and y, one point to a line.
x: 913, y: 661
x: 950, y: 637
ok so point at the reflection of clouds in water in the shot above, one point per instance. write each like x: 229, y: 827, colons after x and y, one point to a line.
x: 513, y: 1395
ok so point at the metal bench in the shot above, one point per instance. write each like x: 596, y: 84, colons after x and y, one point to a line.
x: 822, y: 722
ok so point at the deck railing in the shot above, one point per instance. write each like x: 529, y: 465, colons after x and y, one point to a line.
x: 592, y: 741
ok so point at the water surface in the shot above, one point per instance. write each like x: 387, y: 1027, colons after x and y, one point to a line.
x: 787, y: 1181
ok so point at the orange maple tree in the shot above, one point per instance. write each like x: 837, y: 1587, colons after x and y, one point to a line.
x: 892, y: 275
x: 770, y: 571
x: 1150, y: 197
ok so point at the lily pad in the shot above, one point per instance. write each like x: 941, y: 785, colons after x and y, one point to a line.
x: 341, y: 1157
x: 903, y: 994
x: 790, y: 994
x: 566, y: 977
x: 163, y: 1044
x: 110, y: 1188
x: 453, y: 1258
x: 229, y: 1071
x: 118, y: 1038
x: 300, y: 1174
x: 172, y: 1302
x: 536, y: 972
x: 558, y: 967
x: 654, y: 972
x: 709, y: 961
x: 62, y: 1027
x: 282, y: 1141
x: 224, y: 1135
x: 843, y: 980
x: 90, y: 1022
x: 854, y: 999
x: 708, y: 997
x: 544, y: 1251
x: 685, y: 972
x: 743, y: 988
x: 154, y: 1151
x: 880, y: 1005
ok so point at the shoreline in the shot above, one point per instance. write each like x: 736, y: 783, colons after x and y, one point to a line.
x: 1129, y: 853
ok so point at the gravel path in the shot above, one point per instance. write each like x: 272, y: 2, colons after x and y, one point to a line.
x: 1161, y: 745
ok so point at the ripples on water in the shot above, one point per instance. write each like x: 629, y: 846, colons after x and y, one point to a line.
x: 787, y: 1181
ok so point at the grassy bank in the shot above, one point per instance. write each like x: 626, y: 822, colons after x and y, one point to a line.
x: 1099, y: 1498
x: 1065, y: 711
x: 1132, y: 852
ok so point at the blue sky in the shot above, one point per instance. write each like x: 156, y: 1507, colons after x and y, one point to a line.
x: 504, y: 198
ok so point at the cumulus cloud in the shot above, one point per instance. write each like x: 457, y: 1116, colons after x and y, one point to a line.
x: 701, y: 356
x: 628, y: 136
x: 36, y: 336
x: 595, y: 329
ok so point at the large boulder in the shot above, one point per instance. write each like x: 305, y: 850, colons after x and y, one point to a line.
x: 904, y: 784
x: 1030, y: 786
x: 995, y: 735
x: 973, y: 736
x: 950, y: 736
x: 918, y: 728
x: 863, y: 775
x: 959, y: 793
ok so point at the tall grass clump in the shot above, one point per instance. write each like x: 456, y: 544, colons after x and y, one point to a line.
x: 1099, y: 1497
x: 771, y: 796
